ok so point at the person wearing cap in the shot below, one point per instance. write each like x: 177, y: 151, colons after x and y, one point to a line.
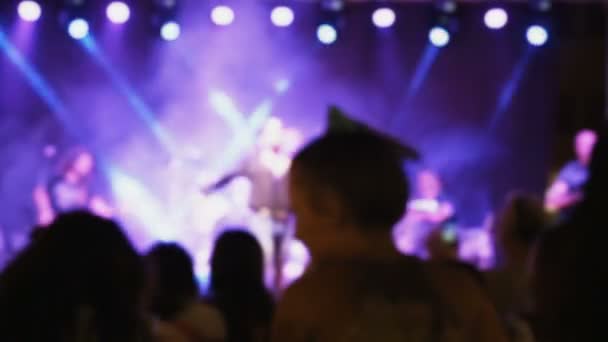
x: 347, y: 189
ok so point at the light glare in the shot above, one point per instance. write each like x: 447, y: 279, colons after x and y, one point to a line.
x: 327, y: 34
x: 282, y: 16
x: 222, y: 15
x: 384, y: 17
x: 118, y: 12
x: 439, y: 36
x: 29, y: 11
x: 496, y: 18
x: 170, y: 31
x: 78, y: 28
x: 537, y: 35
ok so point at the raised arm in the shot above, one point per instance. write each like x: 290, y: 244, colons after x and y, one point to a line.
x: 222, y: 182
x: 559, y: 196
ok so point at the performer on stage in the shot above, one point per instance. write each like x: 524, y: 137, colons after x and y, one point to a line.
x: 74, y: 187
x: 567, y: 190
x: 266, y: 168
x: 428, y: 210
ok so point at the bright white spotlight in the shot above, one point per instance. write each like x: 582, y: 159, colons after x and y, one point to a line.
x: 29, y: 11
x: 118, y: 12
x: 327, y: 34
x: 384, y: 17
x: 439, y: 36
x: 496, y: 18
x: 537, y: 35
x: 222, y: 15
x: 282, y: 16
x: 78, y: 28
x: 170, y: 31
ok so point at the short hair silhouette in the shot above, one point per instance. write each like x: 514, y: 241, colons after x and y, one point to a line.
x: 174, y: 282
x: 237, y: 261
x: 237, y: 286
x: 83, y: 270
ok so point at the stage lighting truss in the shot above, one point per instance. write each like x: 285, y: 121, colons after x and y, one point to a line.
x: 281, y: 14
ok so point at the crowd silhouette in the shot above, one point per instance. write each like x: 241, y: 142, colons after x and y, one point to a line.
x: 80, y: 278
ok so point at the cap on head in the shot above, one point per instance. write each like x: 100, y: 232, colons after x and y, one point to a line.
x: 360, y: 168
x: 340, y: 124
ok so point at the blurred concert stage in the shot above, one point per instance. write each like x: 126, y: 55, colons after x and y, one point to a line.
x: 173, y: 98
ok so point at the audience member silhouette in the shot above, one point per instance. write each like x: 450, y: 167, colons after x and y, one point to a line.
x: 570, y: 275
x: 358, y: 286
x: 518, y: 227
x: 37, y: 233
x: 174, y: 298
x: 237, y: 287
x: 79, y: 281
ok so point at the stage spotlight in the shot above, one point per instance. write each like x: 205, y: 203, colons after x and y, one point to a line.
x: 78, y: 28
x: 222, y: 15
x: 282, y: 16
x: 447, y: 6
x: 439, y: 36
x: 118, y: 12
x: 537, y: 35
x: 383, y: 17
x: 166, y: 4
x: 170, y: 31
x: 544, y: 5
x: 327, y: 34
x: 541, y: 5
x: 496, y: 18
x: 29, y: 11
x: 332, y: 5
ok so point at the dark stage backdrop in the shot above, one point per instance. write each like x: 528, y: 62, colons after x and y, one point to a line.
x: 489, y: 112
